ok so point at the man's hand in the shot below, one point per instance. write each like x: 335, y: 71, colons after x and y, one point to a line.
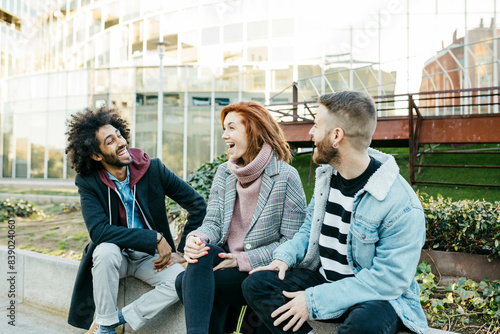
x: 295, y: 308
x: 230, y: 261
x: 194, y: 249
x: 175, y: 258
x: 165, y: 252
x: 277, y: 265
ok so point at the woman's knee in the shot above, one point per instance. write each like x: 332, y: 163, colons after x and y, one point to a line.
x: 178, y: 285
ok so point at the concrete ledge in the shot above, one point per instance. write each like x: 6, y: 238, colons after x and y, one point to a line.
x: 42, y: 198
x: 46, y: 282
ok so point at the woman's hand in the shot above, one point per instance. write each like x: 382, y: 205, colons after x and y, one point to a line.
x: 194, y: 249
x: 230, y: 261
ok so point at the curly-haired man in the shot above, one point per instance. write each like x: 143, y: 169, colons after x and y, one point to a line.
x: 122, y: 194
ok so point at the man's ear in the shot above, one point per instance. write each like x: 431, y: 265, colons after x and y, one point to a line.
x: 96, y: 156
x: 337, y: 135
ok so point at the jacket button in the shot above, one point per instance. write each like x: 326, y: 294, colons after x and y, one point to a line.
x: 248, y: 246
x: 314, y: 316
x: 321, y: 194
x: 350, y: 242
x: 363, y: 236
x: 354, y: 265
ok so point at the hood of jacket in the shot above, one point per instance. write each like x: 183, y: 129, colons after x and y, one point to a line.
x: 138, y: 167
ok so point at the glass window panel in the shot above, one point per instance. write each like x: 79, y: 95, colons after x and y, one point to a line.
x: 56, y: 142
x: 233, y: 33
x: 210, y: 36
x: 137, y: 28
x: 280, y: 79
x: 122, y: 80
x: 173, y: 138
x: 37, y: 139
x: 257, y: 30
x: 198, y: 137
x: 146, y: 126
x: 152, y: 33
x: 111, y: 13
x: 283, y: 54
x: 119, y: 46
x: 39, y: 84
x: 258, y: 54
x: 254, y: 79
x: 57, y: 84
x: 228, y: 81
x: 283, y: 27
x: 21, y: 134
x: 79, y: 82
x: 101, y: 81
x: 131, y: 9
x: 7, y: 137
x: 94, y: 21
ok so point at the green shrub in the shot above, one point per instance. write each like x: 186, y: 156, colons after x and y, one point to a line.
x: 462, y: 226
x: 201, y: 180
x: 13, y: 207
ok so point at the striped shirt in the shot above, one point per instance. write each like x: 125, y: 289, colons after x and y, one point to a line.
x: 335, y: 227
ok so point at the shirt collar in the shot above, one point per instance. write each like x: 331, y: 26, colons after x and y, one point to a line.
x: 126, y: 181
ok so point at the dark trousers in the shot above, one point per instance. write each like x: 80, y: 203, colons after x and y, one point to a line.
x: 207, y: 295
x: 263, y: 291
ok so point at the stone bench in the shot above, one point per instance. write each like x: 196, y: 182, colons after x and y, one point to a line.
x: 46, y: 282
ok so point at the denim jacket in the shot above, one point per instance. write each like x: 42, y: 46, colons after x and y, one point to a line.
x: 387, y: 232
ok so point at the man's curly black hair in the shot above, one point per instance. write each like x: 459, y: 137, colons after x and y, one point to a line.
x: 82, y: 141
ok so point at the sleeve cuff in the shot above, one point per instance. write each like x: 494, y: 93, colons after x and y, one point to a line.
x: 243, y: 262
x: 200, y: 235
x: 284, y: 257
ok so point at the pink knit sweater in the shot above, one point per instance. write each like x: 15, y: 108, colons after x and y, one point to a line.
x: 247, y: 189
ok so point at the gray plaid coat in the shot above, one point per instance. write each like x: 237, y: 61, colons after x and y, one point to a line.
x: 280, y: 211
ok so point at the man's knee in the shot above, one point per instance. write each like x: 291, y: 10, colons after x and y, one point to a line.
x: 256, y: 284
x: 107, y: 254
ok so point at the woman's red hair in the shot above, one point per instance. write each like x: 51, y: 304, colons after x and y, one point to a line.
x: 261, y: 128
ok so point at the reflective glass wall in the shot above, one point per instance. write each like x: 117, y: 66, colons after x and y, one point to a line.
x: 36, y: 110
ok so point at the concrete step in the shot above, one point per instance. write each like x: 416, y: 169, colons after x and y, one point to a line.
x: 31, y: 320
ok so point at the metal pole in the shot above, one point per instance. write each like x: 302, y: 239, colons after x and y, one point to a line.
x: 185, y: 141
x: 466, y: 58
x: 351, y: 78
x: 408, y: 46
x: 159, y: 131
x: 212, y: 119
x: 495, y: 54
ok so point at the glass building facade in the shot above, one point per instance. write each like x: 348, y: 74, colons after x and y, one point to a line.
x: 61, y: 56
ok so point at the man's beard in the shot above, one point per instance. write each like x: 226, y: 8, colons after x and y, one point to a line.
x: 114, y: 161
x: 325, y: 153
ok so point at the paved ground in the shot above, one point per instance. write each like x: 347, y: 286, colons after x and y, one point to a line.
x: 30, y: 320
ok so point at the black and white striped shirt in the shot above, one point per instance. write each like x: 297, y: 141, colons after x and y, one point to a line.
x: 335, y: 228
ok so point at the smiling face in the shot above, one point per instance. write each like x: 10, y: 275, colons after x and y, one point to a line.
x: 235, y: 136
x: 321, y: 133
x: 114, y: 148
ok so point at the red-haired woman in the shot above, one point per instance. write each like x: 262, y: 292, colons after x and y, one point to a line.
x: 256, y: 203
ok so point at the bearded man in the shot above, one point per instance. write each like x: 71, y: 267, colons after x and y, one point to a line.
x: 122, y: 195
x: 354, y: 259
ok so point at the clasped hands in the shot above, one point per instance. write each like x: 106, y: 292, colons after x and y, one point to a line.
x: 195, y: 248
x: 296, y: 309
x: 167, y: 258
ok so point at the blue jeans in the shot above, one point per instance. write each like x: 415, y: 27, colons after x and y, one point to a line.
x: 207, y: 294
x: 263, y: 291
